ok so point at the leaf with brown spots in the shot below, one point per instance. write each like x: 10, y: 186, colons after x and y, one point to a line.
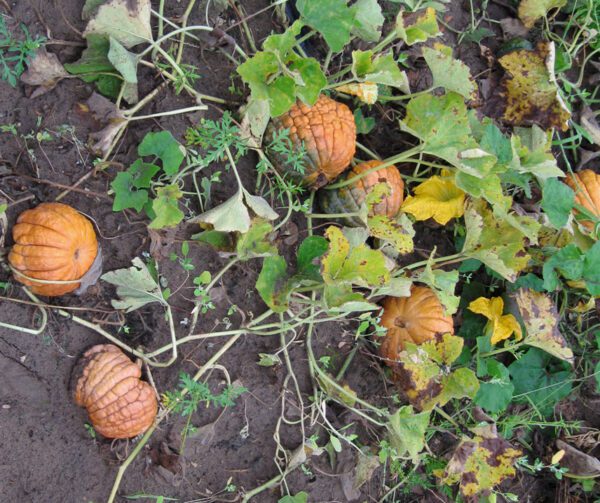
x: 530, y: 89
x: 481, y: 463
x: 540, y: 317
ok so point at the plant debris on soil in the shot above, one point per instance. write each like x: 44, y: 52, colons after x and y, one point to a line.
x: 345, y: 251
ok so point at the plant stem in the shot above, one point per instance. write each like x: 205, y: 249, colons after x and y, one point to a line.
x: 503, y: 350
x: 367, y: 151
x: 170, y: 112
x: 334, y: 215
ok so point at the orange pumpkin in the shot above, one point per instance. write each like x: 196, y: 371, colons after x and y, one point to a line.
x: 118, y: 402
x: 414, y: 319
x: 348, y: 199
x: 328, y: 133
x: 53, y: 242
x: 586, y: 185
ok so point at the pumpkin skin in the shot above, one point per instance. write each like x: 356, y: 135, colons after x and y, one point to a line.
x: 349, y: 199
x: 586, y: 185
x: 415, y: 319
x: 118, y: 402
x: 53, y: 242
x: 328, y: 132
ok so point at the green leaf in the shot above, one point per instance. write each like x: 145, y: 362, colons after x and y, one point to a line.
x: 256, y: 242
x: 126, y: 63
x: 368, y: 20
x: 272, y: 284
x: 557, y: 202
x: 364, y: 125
x: 406, y: 430
x: 382, y: 70
x: 126, y: 196
x: 282, y: 44
x: 449, y: 73
x: 444, y: 284
x: 313, y: 77
x: 220, y: 241
x: 142, y: 173
x: 533, y: 146
x: 332, y: 18
x: 495, y: 395
x: 360, y: 266
x: 507, y: 256
x: 164, y: 146
x: 417, y: 26
x: 300, y: 497
x: 591, y: 269
x: 268, y: 360
x: 257, y: 70
x: 281, y: 94
x: 568, y: 261
x: 166, y: 207
x: 135, y: 286
x: 312, y: 248
x: 540, y: 379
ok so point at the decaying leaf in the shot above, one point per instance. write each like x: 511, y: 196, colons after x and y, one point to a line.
x: 424, y: 376
x: 406, y: 430
x: 500, y: 326
x: 530, y: 89
x: 481, y: 463
x: 363, y: 472
x: 127, y: 21
x: 255, y: 118
x: 135, y: 286
x: 532, y: 10
x: 364, y: 91
x: 579, y: 464
x: 588, y: 122
x: 44, y: 71
x: 541, y: 318
x: 437, y: 198
x: 506, y: 256
x: 105, y: 112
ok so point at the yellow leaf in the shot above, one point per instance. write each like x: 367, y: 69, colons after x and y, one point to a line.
x: 436, y: 198
x: 557, y: 457
x: 532, y: 10
x: 364, y: 91
x: 501, y: 326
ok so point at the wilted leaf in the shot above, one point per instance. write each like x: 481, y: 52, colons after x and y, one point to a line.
x: 230, y: 216
x: 541, y: 318
x: 126, y: 63
x: 406, y: 430
x: 423, y: 374
x: 437, y: 198
x: 500, y: 326
x: 364, y: 91
x: 532, y: 10
x: 530, y: 89
x: 44, y: 71
x: 135, y: 286
x: 414, y: 27
x: 255, y: 118
x: 450, y: 73
x: 272, y: 283
x: 579, y: 464
x: 107, y: 113
x: 506, y: 256
x: 481, y: 463
x: 128, y: 21
x: 256, y: 242
x: 363, y: 472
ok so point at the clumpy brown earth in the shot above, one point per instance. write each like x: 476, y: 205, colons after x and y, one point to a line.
x: 47, y: 454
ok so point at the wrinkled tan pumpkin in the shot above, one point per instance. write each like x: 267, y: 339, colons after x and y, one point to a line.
x: 53, y: 242
x: 108, y: 385
x: 586, y: 185
x: 415, y: 319
x: 328, y: 133
x: 349, y: 199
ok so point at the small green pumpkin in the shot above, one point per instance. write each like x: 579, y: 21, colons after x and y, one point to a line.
x: 348, y: 199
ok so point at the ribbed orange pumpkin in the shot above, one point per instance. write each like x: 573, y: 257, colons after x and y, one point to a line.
x: 328, y: 133
x: 118, y: 402
x: 415, y: 319
x: 349, y: 199
x: 586, y: 185
x: 53, y: 242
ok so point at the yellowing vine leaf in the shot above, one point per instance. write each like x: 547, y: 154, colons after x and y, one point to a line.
x: 541, y: 317
x: 530, y: 89
x: 449, y: 73
x: 364, y: 91
x: 424, y: 376
x: 481, y: 463
x: 500, y: 326
x: 407, y: 431
x: 532, y: 10
x: 437, y: 198
x: 496, y: 243
x: 414, y: 27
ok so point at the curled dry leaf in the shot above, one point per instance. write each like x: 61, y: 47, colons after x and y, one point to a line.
x: 364, y: 91
x: 481, y: 463
x: 44, y: 71
x: 530, y: 89
x: 541, y: 318
x: 105, y: 112
x: 579, y: 464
